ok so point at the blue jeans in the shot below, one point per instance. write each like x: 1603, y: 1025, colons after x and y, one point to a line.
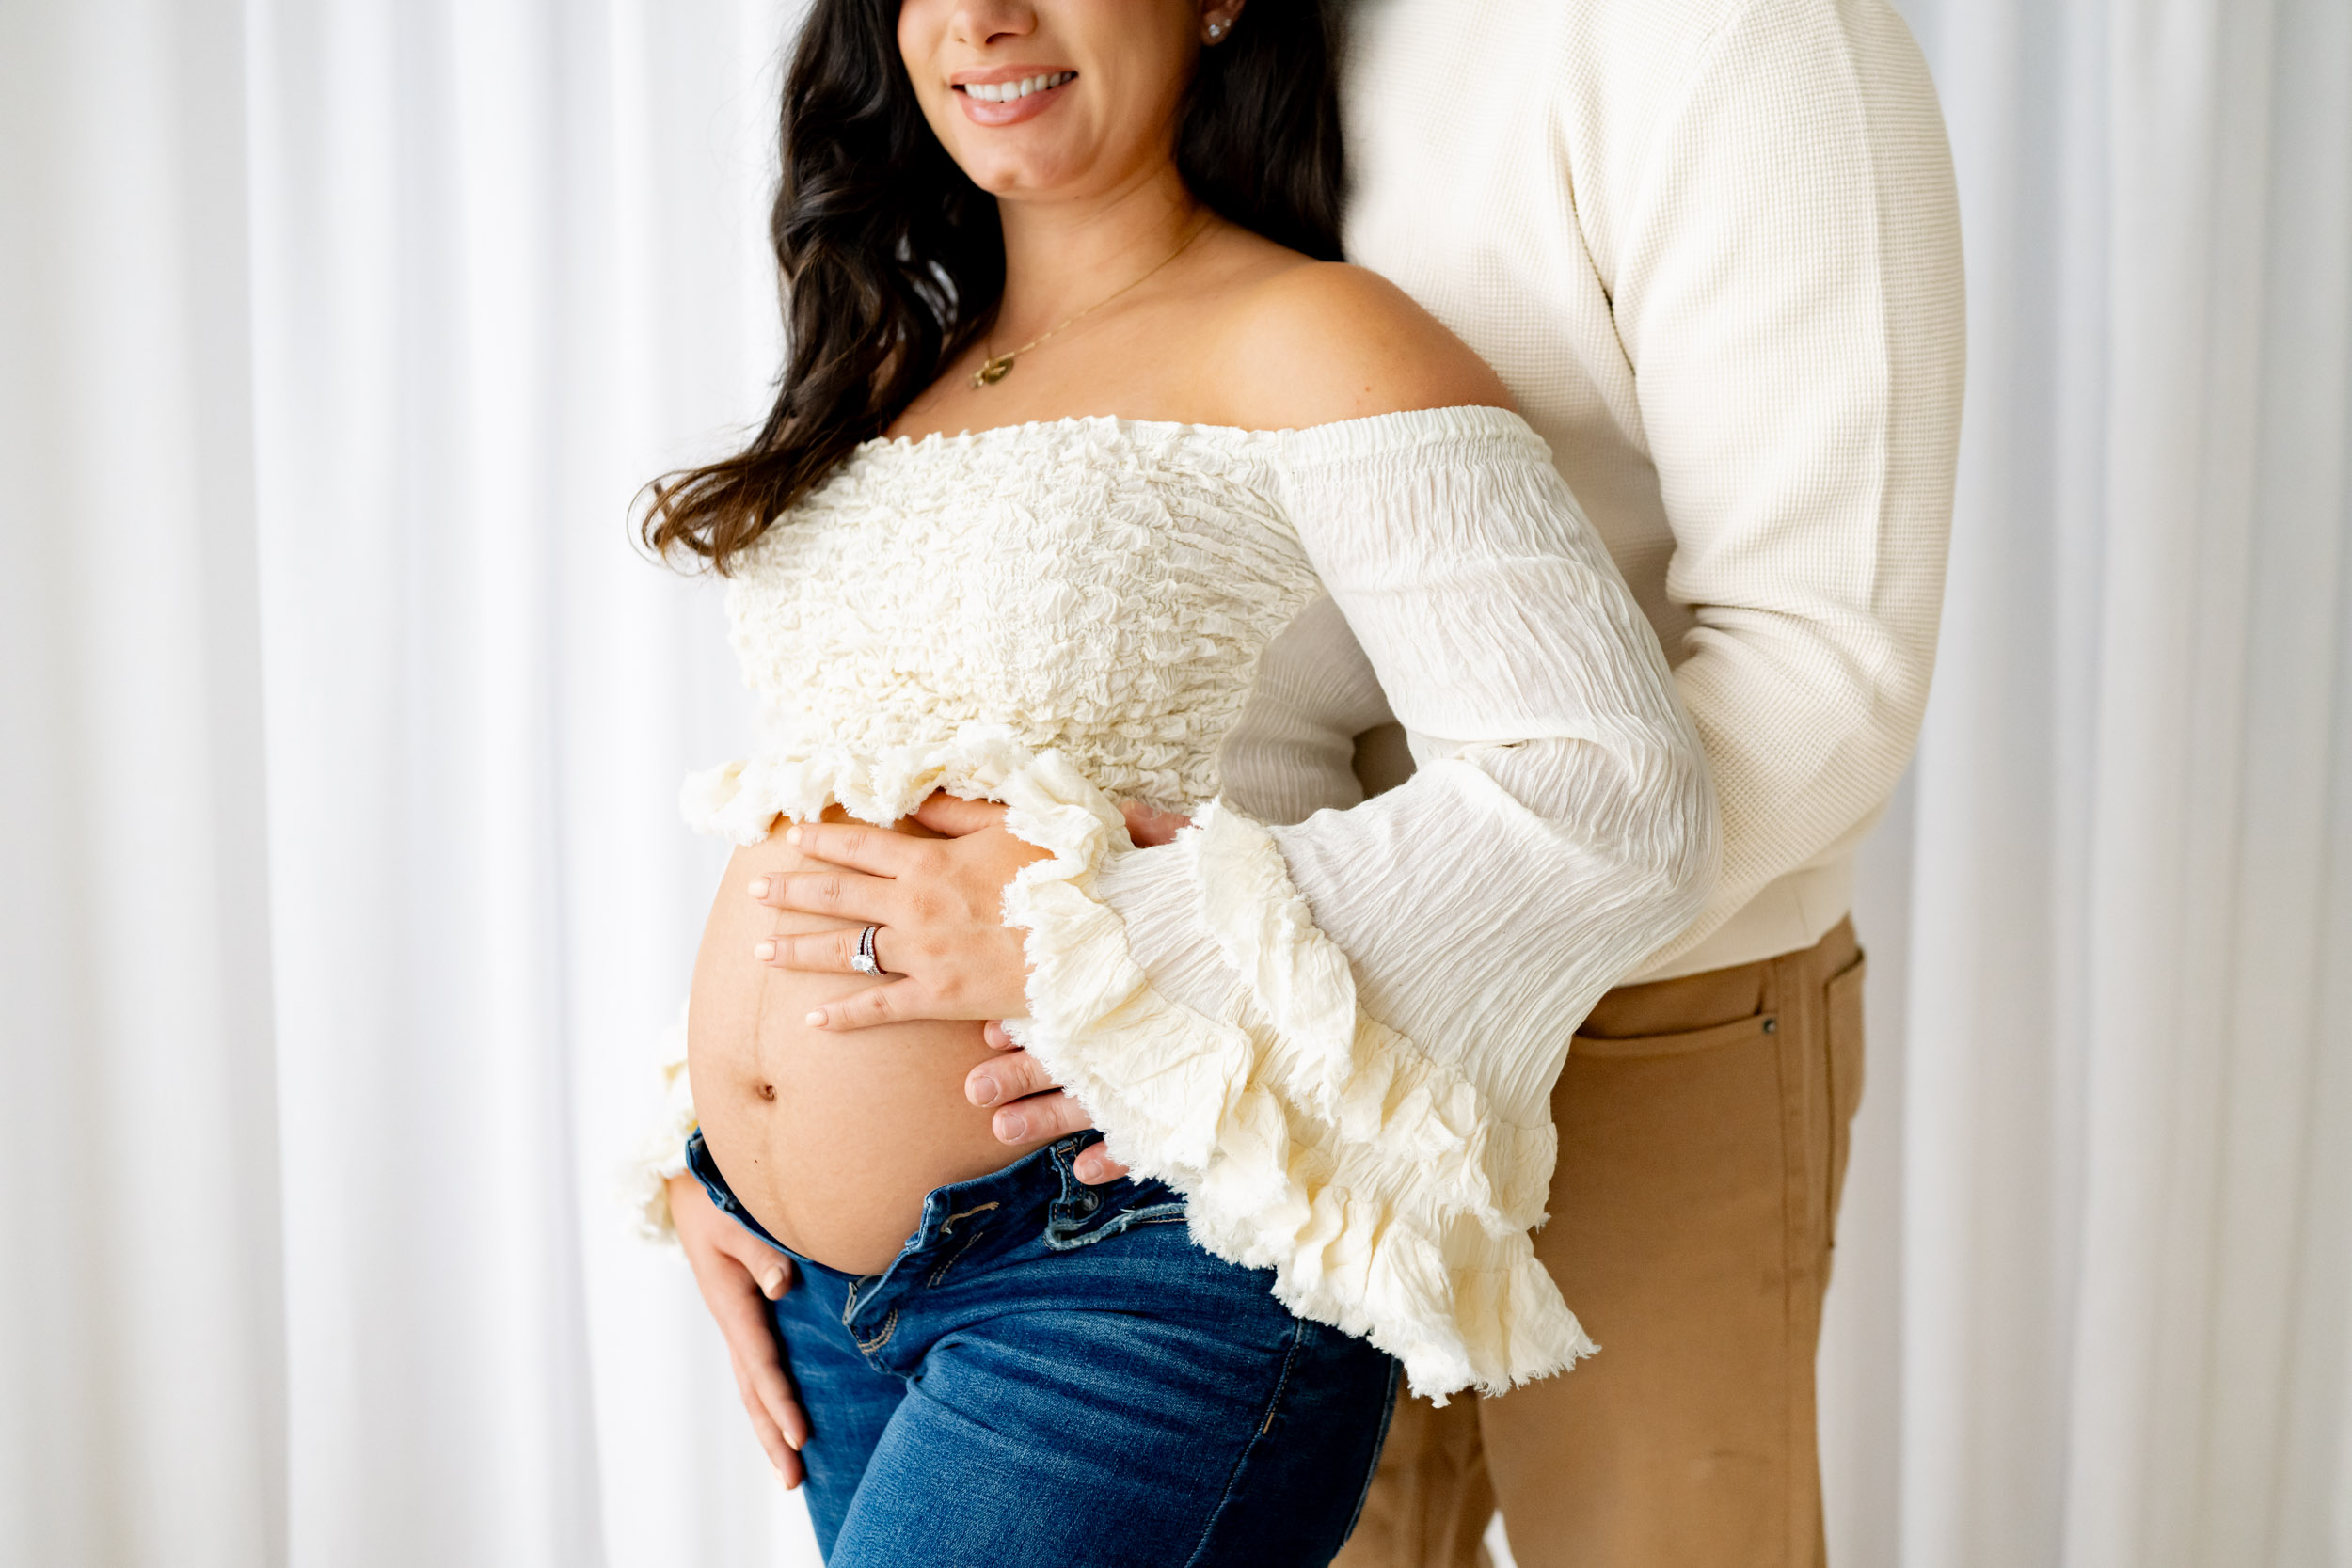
x: 1051, y: 1372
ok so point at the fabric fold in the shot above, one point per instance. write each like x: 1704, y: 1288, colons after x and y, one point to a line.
x: 1375, y: 1180
x: 1337, y: 1035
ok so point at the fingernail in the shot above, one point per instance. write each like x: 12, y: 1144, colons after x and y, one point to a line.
x: 758, y: 888
x: 1011, y: 1126
x: 985, y: 1091
x: 1087, y: 1168
x: 780, y: 1480
x: 792, y: 835
x: 815, y: 1020
x: 772, y: 1283
x: 764, y: 952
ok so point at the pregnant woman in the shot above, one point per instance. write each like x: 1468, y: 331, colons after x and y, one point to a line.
x: 1098, y: 491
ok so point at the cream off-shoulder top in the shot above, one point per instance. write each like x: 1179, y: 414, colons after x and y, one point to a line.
x: 1332, y: 1023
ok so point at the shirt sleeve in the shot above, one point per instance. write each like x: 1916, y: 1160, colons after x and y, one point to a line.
x: 1339, y: 1038
x: 1786, y: 285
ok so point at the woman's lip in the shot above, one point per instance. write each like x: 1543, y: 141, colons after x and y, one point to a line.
x: 1017, y: 110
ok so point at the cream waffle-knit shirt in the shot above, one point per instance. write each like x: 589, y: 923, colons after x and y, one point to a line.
x: 1713, y: 248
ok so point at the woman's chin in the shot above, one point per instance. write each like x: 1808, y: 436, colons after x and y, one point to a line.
x: 1034, y: 172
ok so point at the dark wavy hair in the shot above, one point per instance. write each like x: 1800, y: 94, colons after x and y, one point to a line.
x: 894, y: 261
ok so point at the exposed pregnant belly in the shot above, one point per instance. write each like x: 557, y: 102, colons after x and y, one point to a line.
x: 829, y: 1139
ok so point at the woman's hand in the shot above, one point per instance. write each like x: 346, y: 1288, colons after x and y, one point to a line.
x: 939, y: 902
x: 1033, y: 1105
x: 739, y: 1276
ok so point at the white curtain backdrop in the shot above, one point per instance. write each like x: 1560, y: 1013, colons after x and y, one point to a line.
x: 341, y: 890
x: 343, y: 882
x: 2094, y: 1292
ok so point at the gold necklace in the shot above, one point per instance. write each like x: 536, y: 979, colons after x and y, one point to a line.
x: 995, y: 367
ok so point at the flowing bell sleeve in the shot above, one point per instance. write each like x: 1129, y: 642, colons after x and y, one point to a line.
x: 1339, y: 1038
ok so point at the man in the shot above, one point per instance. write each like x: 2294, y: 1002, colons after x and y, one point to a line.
x: 1713, y: 247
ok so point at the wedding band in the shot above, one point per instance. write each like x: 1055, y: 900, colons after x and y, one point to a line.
x: 865, y: 963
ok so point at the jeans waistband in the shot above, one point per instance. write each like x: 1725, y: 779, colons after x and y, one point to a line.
x: 1040, y: 1184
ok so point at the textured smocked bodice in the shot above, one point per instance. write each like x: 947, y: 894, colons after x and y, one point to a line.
x: 1103, y: 589
x: 1334, y: 1031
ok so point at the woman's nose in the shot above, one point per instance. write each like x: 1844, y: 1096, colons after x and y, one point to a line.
x: 986, y: 22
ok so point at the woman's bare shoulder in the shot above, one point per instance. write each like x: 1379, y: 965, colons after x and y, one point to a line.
x: 1319, y: 341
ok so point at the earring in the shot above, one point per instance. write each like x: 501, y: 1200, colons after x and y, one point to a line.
x: 1216, y: 31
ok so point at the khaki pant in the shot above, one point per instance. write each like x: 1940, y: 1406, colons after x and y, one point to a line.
x: 1703, y: 1126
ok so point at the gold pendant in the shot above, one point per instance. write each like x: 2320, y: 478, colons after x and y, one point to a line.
x: 993, y: 371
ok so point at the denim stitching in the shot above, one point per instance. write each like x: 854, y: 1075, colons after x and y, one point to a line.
x: 949, y: 1223
x: 1372, y: 1468
x: 1281, y: 1385
x: 941, y: 1273
x: 890, y: 1326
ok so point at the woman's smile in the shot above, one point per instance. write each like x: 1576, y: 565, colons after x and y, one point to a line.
x: 1009, y: 94
x: 1114, y: 71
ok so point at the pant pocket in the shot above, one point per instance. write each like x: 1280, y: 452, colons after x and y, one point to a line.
x: 1842, y: 1010
x: 1681, y: 1042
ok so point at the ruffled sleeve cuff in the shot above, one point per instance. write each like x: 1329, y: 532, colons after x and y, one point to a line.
x: 661, y: 1154
x: 1232, y: 1061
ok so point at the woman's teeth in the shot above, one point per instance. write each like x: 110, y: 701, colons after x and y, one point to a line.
x: 1004, y: 92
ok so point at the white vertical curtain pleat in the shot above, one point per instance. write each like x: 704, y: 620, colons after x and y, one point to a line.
x: 2104, y: 1325
x: 342, y: 889
x: 509, y: 265
x: 141, y: 1324
x: 344, y: 886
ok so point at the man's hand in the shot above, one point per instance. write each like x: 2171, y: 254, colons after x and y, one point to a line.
x: 739, y: 1275
x: 1034, y: 1105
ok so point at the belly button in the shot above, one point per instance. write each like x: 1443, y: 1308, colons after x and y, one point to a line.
x: 767, y: 1091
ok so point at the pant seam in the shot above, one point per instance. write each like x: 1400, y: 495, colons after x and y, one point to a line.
x: 1371, y: 1471
x: 1789, y: 1003
x: 1282, y: 1387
